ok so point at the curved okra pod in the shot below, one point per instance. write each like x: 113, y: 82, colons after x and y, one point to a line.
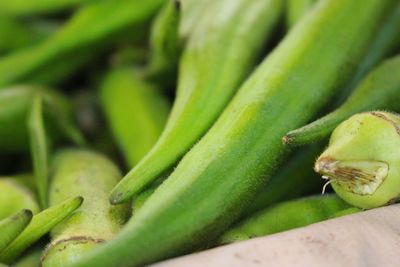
x: 96, y: 220
x: 91, y: 24
x: 12, y: 226
x: 285, y: 216
x: 209, y: 76
x: 386, y: 40
x: 362, y: 159
x: 15, y: 105
x: 218, y: 178
x: 165, y: 42
x: 136, y: 112
x: 15, y: 197
x: 295, y: 10
x: 40, y: 225
x: 39, y: 148
x: 380, y: 89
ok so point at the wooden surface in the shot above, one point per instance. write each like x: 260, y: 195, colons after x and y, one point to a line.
x: 370, y: 238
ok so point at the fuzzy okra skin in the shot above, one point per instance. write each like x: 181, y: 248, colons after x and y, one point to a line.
x: 15, y: 197
x: 221, y: 174
x: 12, y: 226
x: 136, y: 112
x: 91, y: 26
x: 380, y: 89
x: 285, y: 216
x: 91, y: 175
x: 220, y: 53
x: 40, y: 225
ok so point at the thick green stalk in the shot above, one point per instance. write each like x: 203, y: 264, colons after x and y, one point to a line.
x: 40, y: 225
x: 220, y: 52
x: 12, y: 226
x: 285, y: 216
x: 385, y: 42
x: 135, y: 110
x: 15, y: 197
x: 96, y: 220
x: 380, y: 89
x: 221, y: 174
x: 91, y: 26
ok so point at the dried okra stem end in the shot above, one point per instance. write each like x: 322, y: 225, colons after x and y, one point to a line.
x: 362, y: 161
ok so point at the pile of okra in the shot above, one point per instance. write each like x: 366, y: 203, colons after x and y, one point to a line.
x: 134, y: 131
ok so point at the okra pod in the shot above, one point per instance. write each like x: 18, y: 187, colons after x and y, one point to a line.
x: 361, y: 161
x: 285, y: 216
x: 221, y: 174
x: 40, y: 225
x: 12, y: 226
x: 91, y: 175
x: 209, y: 75
x: 380, y: 89
x: 37, y: 7
x: 91, y: 24
x: 15, y: 197
x: 384, y: 43
x: 135, y: 110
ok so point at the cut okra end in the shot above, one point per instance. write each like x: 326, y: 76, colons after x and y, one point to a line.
x: 362, y: 161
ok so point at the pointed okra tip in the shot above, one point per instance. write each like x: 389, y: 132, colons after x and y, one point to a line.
x: 362, y: 160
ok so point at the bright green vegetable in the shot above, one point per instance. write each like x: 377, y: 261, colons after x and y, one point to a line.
x: 136, y: 112
x: 210, y: 73
x: 85, y: 173
x: 31, y: 259
x: 15, y: 197
x: 39, y: 148
x: 296, y: 178
x: 285, y: 216
x: 361, y: 161
x: 41, y: 224
x: 91, y: 26
x: 12, y: 226
x: 218, y: 178
x: 28, y: 7
x: 345, y: 212
x: 380, y: 89
x: 15, y: 105
x: 385, y: 42
x: 295, y: 10
x: 165, y: 42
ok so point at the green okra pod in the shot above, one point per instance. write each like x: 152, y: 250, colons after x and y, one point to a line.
x: 378, y: 90
x: 217, y: 179
x: 285, y: 216
x: 12, y: 226
x: 165, y: 42
x: 135, y: 110
x: 31, y: 259
x: 295, y: 10
x: 384, y: 43
x: 91, y: 175
x: 209, y: 75
x: 15, y: 197
x: 89, y: 27
x: 40, y: 225
x: 362, y: 159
